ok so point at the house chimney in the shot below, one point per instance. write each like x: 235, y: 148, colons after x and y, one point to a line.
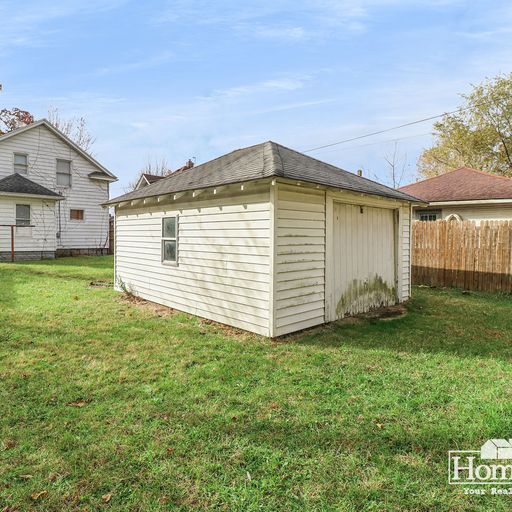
x: 359, y: 172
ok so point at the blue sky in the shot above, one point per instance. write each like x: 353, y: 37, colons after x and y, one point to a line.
x: 180, y: 79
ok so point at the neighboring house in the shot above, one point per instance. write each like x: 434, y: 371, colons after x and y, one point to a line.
x: 496, y: 449
x: 52, y: 192
x: 147, y: 179
x: 463, y: 194
x: 265, y: 239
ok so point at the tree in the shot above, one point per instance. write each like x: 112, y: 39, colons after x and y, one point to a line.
x: 74, y: 128
x: 397, y: 166
x: 156, y: 167
x: 11, y: 119
x: 479, y: 135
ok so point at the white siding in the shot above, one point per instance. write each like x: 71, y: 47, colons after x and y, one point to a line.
x: 479, y: 213
x: 43, y: 149
x: 299, y: 293
x: 404, y: 254
x: 224, y: 257
x: 41, y: 237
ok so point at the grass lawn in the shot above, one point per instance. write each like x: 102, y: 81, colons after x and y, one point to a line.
x: 107, y: 405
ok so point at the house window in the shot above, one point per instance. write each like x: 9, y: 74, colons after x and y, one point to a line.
x: 76, y: 214
x: 22, y: 215
x: 428, y: 215
x: 64, y: 173
x: 20, y: 163
x: 170, y: 239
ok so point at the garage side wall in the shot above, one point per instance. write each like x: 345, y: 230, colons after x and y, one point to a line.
x: 300, y: 258
x: 223, y: 257
x: 404, y: 262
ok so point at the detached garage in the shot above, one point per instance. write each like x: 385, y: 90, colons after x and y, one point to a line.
x: 265, y: 239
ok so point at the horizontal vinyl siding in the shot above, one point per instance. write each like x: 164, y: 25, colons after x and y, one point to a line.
x: 299, y: 290
x: 41, y: 237
x: 43, y: 149
x: 404, y: 258
x: 479, y: 213
x: 224, y: 258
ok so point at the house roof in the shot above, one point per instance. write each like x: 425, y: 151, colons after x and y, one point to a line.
x: 151, y: 178
x: 462, y: 184
x: 68, y: 141
x: 265, y: 160
x: 18, y: 184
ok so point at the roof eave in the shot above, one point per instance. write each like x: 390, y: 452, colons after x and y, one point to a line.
x: 31, y: 196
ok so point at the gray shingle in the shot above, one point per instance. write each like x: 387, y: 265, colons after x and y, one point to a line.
x: 18, y: 184
x: 265, y: 160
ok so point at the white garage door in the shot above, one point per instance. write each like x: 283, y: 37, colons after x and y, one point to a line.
x: 364, y: 258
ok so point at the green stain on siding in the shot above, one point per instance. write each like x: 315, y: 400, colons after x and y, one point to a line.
x: 374, y: 292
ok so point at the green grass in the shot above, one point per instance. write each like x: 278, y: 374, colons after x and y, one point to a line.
x: 105, y: 404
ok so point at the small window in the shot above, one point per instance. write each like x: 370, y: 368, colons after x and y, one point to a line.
x: 22, y: 215
x: 20, y: 163
x: 76, y: 214
x: 64, y: 173
x: 428, y: 215
x: 170, y: 239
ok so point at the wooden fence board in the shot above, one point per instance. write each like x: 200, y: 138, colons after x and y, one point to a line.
x: 463, y: 254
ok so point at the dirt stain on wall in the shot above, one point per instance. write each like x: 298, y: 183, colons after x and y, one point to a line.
x: 360, y: 296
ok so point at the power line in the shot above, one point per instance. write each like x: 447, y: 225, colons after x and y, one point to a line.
x: 387, y: 129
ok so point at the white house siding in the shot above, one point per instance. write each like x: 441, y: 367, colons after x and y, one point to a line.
x: 43, y: 148
x: 299, y: 281
x: 479, y: 213
x: 29, y: 242
x: 404, y: 254
x: 224, y: 257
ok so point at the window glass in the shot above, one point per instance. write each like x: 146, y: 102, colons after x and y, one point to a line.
x: 20, y: 163
x: 169, y: 250
x: 169, y: 227
x: 169, y: 239
x: 22, y: 215
x: 64, y: 173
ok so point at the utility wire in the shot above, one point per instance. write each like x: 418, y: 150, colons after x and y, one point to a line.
x: 388, y: 129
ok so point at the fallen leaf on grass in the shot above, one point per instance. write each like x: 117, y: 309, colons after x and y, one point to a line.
x: 36, y: 495
x: 170, y: 451
x: 26, y: 477
x: 78, y: 403
x: 107, y: 497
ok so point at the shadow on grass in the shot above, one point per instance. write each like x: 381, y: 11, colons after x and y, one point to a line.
x: 437, y: 321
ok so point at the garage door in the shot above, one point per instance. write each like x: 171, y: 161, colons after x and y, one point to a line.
x: 364, y: 258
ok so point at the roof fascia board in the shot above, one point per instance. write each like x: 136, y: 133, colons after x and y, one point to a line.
x: 32, y: 196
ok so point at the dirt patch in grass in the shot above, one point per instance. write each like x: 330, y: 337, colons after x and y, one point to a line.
x: 152, y: 307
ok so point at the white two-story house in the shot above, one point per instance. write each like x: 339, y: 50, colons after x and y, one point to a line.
x: 51, y: 193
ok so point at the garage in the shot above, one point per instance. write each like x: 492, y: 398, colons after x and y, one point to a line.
x: 265, y: 239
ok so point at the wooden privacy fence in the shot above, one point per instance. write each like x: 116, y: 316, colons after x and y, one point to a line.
x: 462, y: 254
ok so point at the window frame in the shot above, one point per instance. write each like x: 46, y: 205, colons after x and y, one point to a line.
x: 23, y: 219
x: 77, y: 210
x: 14, y: 164
x: 428, y: 213
x: 57, y: 173
x: 164, y: 239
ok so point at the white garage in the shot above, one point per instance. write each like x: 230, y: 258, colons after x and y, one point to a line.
x: 265, y: 239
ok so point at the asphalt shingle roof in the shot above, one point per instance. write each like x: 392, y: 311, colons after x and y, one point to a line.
x: 462, y: 184
x: 18, y: 184
x: 266, y: 160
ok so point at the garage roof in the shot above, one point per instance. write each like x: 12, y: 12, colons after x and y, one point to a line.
x: 265, y: 160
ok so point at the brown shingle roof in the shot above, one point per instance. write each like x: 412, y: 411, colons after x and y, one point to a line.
x: 462, y: 184
x: 151, y: 178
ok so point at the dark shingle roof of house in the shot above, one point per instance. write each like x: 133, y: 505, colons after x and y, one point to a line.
x: 266, y: 160
x: 18, y: 184
x: 462, y: 184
